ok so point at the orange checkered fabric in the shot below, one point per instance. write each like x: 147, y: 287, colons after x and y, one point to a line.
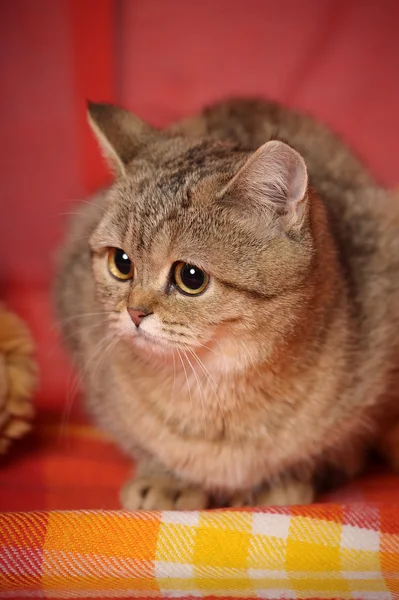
x: 345, y: 547
x: 348, y: 552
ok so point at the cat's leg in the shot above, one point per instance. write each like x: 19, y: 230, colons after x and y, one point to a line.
x: 301, y: 486
x: 285, y: 492
x: 154, y: 489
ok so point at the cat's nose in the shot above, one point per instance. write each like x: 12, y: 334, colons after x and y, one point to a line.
x: 137, y: 315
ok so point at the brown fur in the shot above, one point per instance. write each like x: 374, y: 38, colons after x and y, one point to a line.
x: 280, y: 372
x: 17, y: 378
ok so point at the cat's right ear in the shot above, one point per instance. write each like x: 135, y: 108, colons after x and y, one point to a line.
x: 119, y: 133
x: 272, y: 182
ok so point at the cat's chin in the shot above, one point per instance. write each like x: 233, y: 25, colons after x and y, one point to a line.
x: 153, y: 344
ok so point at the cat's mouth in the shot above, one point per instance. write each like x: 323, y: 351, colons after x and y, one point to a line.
x: 157, y: 343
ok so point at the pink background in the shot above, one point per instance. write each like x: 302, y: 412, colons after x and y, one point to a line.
x: 338, y: 59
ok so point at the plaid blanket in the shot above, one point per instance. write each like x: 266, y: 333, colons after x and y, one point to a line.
x: 315, y: 552
x: 345, y: 547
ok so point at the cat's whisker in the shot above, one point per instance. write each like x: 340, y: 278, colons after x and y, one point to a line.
x: 188, y: 344
x: 99, y: 348
x: 203, y: 404
x: 204, y: 369
x: 185, y: 373
x: 72, y: 214
x: 93, y: 204
x: 72, y: 388
x: 214, y: 339
x: 86, y: 328
x: 110, y: 346
x: 85, y: 315
x: 207, y: 348
x: 71, y: 394
x: 66, y: 336
x: 211, y: 382
x: 83, y: 237
x: 172, y: 396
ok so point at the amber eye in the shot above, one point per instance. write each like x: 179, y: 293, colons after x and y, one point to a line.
x: 190, y: 279
x: 119, y: 264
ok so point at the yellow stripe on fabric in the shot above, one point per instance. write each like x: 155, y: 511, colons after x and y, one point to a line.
x: 323, y: 595
x: 219, y: 547
x: 320, y: 584
x: 180, y: 585
x: 266, y: 552
x: 315, y: 531
x: 368, y: 585
x: 175, y: 543
x: 359, y: 560
x: 307, y: 556
x: 228, y: 521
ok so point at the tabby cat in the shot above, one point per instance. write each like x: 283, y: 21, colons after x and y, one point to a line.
x: 232, y: 304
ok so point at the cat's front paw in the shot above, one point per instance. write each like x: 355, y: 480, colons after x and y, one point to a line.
x: 285, y: 493
x: 288, y: 493
x: 161, y: 493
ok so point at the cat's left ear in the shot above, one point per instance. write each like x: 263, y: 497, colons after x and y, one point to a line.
x: 119, y: 133
x: 272, y: 182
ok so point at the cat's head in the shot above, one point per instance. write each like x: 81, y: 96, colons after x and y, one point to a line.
x: 203, y: 246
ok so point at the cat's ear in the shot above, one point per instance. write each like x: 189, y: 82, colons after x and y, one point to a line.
x: 119, y: 133
x: 273, y: 181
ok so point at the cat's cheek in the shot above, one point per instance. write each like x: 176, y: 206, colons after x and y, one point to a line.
x: 113, y: 303
x: 122, y: 326
x: 112, y: 294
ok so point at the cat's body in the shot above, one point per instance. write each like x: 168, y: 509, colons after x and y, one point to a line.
x: 287, y: 363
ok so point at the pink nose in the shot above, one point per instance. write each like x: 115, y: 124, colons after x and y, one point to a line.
x: 137, y: 315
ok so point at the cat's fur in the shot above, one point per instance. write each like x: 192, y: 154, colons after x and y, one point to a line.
x: 18, y: 378
x: 284, y: 369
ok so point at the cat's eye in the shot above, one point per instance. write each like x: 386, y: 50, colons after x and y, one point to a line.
x: 120, y: 265
x: 189, y: 279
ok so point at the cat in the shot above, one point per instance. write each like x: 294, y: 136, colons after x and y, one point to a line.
x: 232, y: 304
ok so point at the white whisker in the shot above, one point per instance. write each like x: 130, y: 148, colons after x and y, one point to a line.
x: 78, y: 380
x: 211, y: 382
x: 86, y: 328
x: 93, y: 204
x: 172, y: 396
x: 72, y: 214
x: 85, y: 315
x: 185, y: 373
x: 203, y: 404
x: 207, y: 348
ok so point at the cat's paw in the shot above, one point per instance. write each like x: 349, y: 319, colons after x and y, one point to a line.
x: 288, y: 493
x: 155, y: 493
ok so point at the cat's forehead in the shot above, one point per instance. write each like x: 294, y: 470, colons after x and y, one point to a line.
x: 178, y: 165
x: 164, y: 220
x: 169, y: 194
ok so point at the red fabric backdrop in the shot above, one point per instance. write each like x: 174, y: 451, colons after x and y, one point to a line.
x: 338, y: 59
